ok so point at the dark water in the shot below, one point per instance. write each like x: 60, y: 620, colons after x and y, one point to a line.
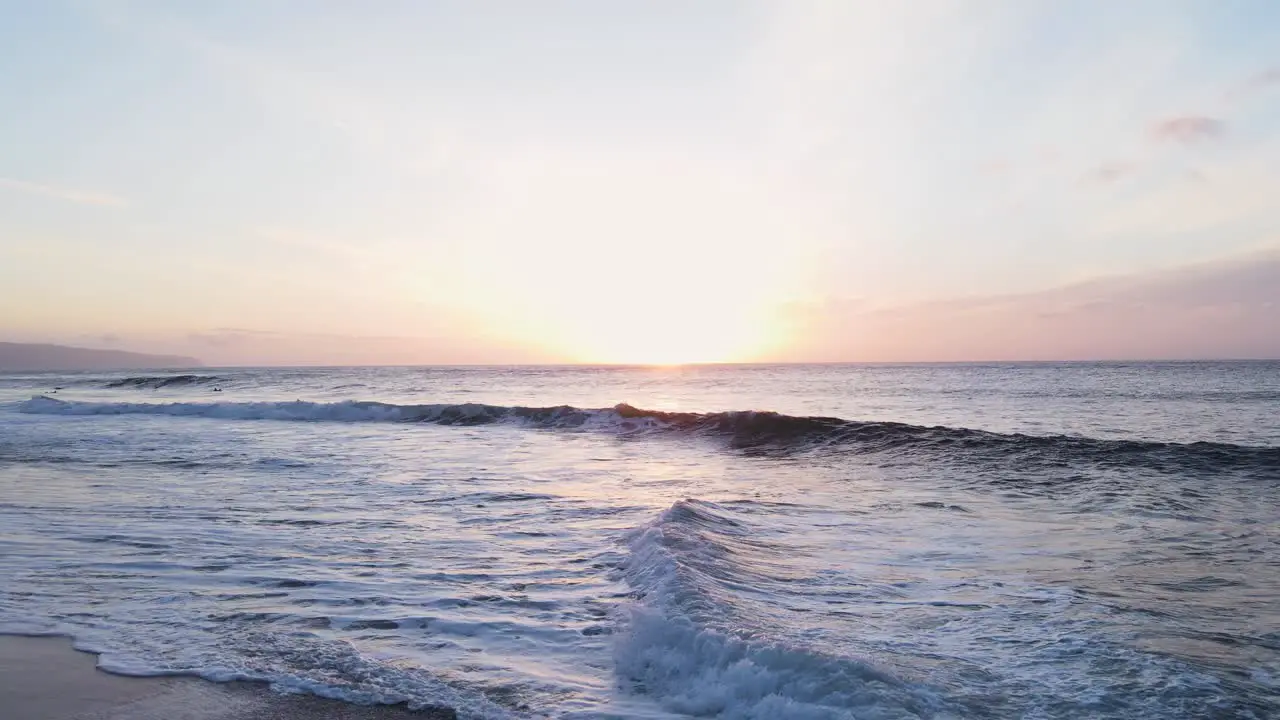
x: 932, y: 541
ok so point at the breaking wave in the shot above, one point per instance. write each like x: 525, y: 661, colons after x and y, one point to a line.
x: 155, y: 382
x: 688, y: 642
x: 762, y: 430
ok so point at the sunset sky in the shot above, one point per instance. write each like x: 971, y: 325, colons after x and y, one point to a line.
x: 277, y: 181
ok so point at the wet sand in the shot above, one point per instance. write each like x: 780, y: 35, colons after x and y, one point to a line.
x: 46, y: 679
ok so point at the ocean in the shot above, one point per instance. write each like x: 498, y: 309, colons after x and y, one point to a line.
x: 747, y: 542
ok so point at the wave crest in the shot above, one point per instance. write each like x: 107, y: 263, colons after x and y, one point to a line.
x: 763, y: 431
x: 155, y: 382
x: 685, y: 644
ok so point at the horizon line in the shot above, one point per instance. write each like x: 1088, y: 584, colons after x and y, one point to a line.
x: 762, y: 363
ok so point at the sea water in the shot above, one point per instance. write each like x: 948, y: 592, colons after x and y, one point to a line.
x: 751, y: 542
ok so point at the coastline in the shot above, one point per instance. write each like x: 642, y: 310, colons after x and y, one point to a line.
x: 45, y: 678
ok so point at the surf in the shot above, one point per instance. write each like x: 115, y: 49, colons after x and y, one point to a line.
x: 759, y: 430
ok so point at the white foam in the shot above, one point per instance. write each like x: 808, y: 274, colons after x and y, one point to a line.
x: 289, y: 663
x: 675, y: 649
x: 347, y: 411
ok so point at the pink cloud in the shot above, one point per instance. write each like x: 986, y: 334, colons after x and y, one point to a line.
x: 1268, y: 77
x: 1187, y: 128
x: 1224, y: 309
x: 1107, y: 173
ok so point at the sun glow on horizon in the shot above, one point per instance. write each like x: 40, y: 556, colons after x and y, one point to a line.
x: 628, y: 258
x: 694, y: 326
x: 666, y: 339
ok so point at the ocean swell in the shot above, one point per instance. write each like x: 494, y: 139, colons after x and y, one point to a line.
x: 760, y: 430
x: 155, y: 382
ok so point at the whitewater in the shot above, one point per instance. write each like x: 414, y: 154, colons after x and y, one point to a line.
x: 748, y: 542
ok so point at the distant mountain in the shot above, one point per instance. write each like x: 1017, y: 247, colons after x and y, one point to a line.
x: 24, y: 356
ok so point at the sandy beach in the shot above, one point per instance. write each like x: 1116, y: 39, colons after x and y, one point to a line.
x: 46, y: 679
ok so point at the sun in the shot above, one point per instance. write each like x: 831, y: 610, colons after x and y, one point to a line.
x: 664, y: 331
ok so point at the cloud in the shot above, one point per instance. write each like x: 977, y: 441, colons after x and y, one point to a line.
x: 1268, y: 77
x: 1187, y: 128
x: 226, y: 337
x: 1226, y: 308
x: 1258, y: 83
x: 997, y: 167
x: 242, y: 346
x: 107, y: 339
x: 215, y: 339
x: 1109, y: 172
x: 81, y: 197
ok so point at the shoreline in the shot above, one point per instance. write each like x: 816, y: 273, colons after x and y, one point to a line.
x: 45, y: 678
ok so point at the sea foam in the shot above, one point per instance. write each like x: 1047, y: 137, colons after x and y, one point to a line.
x: 686, y: 643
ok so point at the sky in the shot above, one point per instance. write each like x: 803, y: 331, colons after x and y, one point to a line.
x: 310, y: 182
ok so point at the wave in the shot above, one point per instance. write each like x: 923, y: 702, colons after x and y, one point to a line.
x: 685, y: 643
x: 292, y: 663
x: 759, y: 430
x: 155, y: 382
